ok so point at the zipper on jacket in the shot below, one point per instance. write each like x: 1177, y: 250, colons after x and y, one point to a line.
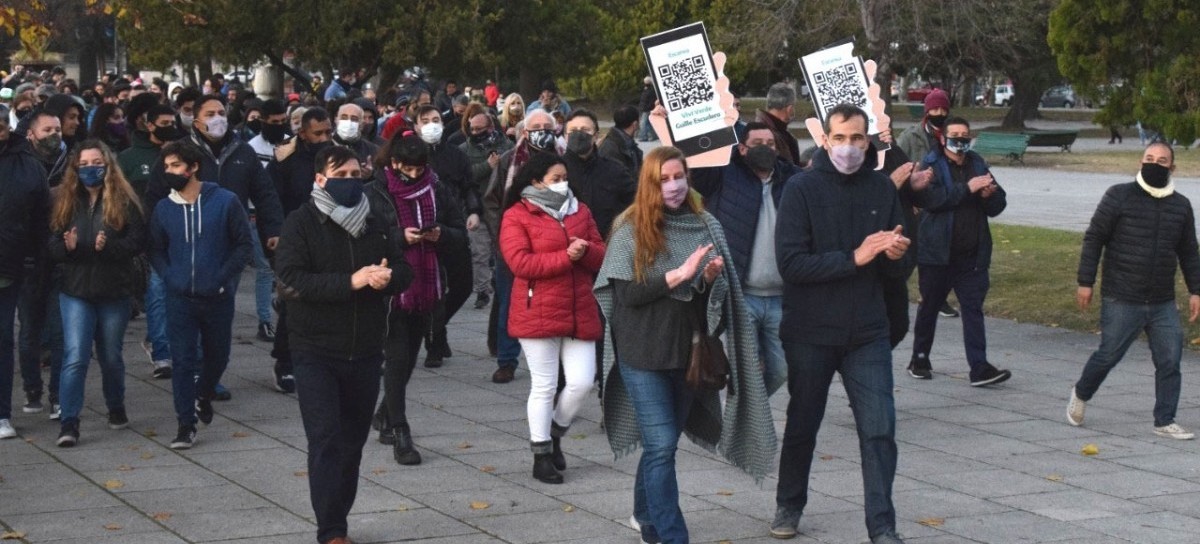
x: 188, y: 209
x: 354, y: 299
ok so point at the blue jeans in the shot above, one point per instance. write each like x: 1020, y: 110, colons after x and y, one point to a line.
x: 866, y: 371
x: 337, y: 398
x: 766, y: 313
x: 156, y: 318
x: 970, y: 284
x: 645, y: 131
x: 661, y: 400
x: 1120, y: 324
x: 8, y: 318
x: 508, y: 349
x: 86, y: 322
x: 211, y: 320
x: 41, y: 326
x: 264, y: 279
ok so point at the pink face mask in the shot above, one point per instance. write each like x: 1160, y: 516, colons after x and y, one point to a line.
x: 847, y: 158
x: 675, y: 191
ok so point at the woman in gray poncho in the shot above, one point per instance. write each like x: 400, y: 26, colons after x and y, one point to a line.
x: 666, y: 257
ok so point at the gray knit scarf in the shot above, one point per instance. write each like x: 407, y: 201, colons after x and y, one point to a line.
x: 745, y: 433
x: 354, y: 220
x: 556, y: 205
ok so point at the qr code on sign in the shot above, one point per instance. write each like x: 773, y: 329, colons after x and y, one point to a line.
x: 685, y: 83
x: 840, y: 85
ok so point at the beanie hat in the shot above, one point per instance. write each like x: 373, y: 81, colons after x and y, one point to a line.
x: 937, y: 98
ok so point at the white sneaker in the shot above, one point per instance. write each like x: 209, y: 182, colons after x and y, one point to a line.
x: 6, y: 429
x: 1075, y: 409
x: 55, y: 411
x: 1174, y: 431
x: 633, y: 523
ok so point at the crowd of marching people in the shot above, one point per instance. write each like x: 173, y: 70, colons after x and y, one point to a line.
x: 370, y: 219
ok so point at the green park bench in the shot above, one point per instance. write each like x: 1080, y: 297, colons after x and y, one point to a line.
x: 1009, y: 146
x: 916, y: 111
x: 1062, y: 139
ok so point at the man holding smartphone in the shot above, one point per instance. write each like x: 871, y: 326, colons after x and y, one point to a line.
x: 954, y: 250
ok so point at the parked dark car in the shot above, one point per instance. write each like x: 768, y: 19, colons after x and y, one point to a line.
x: 1061, y: 96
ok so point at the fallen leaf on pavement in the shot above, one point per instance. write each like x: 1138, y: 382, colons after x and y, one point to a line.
x: 124, y: 468
x: 932, y: 522
x: 725, y: 493
x: 114, y: 484
x: 379, y: 471
x: 465, y: 446
x: 487, y: 468
x: 568, y: 509
x: 162, y: 516
x: 1090, y: 449
x: 150, y: 433
x: 300, y: 473
x: 826, y: 457
x: 113, y: 527
x: 241, y: 434
x: 480, y: 505
x: 147, y: 455
x: 402, y: 508
x: 1055, y: 478
x: 12, y: 535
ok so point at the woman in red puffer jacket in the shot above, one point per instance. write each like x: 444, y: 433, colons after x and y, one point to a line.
x: 550, y: 241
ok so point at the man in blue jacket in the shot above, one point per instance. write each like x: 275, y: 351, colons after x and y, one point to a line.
x: 954, y: 250
x: 744, y: 196
x: 837, y: 237
x: 199, y: 244
x: 24, y: 227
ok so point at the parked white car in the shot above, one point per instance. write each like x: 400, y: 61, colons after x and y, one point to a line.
x: 1003, y: 95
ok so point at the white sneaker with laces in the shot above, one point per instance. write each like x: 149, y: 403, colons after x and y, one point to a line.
x: 6, y: 429
x: 1075, y: 409
x: 1174, y: 431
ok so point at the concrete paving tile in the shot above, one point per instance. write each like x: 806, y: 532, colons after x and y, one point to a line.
x: 915, y: 504
x: 969, y: 414
x: 481, y: 441
x: 410, y: 480
x: 20, y: 452
x: 1014, y: 527
x: 850, y: 528
x: 932, y: 461
x: 151, y: 478
x: 978, y: 445
x: 1111, y: 447
x: 708, y: 482
x: 1046, y: 463
x: 148, y: 454
x: 1176, y: 465
x: 83, y: 524
x: 282, y: 458
x: 588, y: 477
x: 617, y: 504
x: 53, y: 498
x: 1074, y: 504
x: 511, y: 499
x: 370, y: 498
x: 992, y: 483
x: 476, y: 538
x: 160, y: 537
x: 216, y: 498
x: 1131, y: 484
x: 235, y: 524
x: 1187, y: 504
x: 534, y: 527
x: 1033, y: 430
x: 35, y: 476
x: 848, y: 483
x: 760, y: 503
x: 1156, y: 527
x: 724, y: 524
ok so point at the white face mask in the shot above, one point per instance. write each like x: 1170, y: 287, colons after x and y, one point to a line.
x: 217, y: 125
x: 348, y: 130
x: 675, y: 191
x: 431, y: 133
x: 187, y: 120
x: 561, y: 187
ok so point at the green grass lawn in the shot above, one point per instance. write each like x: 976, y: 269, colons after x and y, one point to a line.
x: 1033, y: 280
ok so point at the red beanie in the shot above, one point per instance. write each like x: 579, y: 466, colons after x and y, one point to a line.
x: 937, y: 98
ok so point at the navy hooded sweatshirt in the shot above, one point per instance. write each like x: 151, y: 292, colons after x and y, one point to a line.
x: 199, y: 248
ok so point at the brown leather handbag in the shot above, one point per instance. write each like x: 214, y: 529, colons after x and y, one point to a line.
x: 708, y: 367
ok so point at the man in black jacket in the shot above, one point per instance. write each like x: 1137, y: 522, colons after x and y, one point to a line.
x: 338, y: 266
x: 619, y: 144
x: 837, y: 236
x: 646, y: 105
x: 954, y: 250
x: 24, y: 228
x: 602, y: 184
x: 1143, y: 229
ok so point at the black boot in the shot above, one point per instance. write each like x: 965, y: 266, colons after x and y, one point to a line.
x: 380, y: 422
x: 543, y: 464
x: 403, y: 450
x: 556, y: 434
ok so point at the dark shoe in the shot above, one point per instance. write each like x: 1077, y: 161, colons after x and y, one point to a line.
x: 649, y: 535
x: 69, y: 436
x: 223, y: 394
x: 204, y: 410
x: 162, y: 369
x: 33, y: 402
x: 889, y: 537
x: 266, y: 331
x: 543, y: 467
x: 556, y: 434
x: 989, y: 375
x: 482, y: 300
x: 433, y: 360
x: 185, y: 438
x: 920, y: 369
x: 503, y: 374
x: 117, y: 419
x: 379, y: 422
x: 387, y: 437
x: 948, y: 311
x: 785, y: 523
x: 284, y: 383
x: 403, y: 450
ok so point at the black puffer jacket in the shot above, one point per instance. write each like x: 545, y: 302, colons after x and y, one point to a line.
x: 24, y: 205
x: 603, y: 185
x: 99, y: 275
x: 1143, y: 239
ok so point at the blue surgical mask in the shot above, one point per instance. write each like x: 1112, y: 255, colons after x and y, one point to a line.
x: 92, y: 176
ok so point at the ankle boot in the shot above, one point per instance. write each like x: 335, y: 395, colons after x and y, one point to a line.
x: 556, y: 434
x: 403, y: 450
x: 543, y: 464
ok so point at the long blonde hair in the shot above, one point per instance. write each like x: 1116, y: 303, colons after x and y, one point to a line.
x: 117, y: 195
x: 507, y: 120
x: 645, y: 215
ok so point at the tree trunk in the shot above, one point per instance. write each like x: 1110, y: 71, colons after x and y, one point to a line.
x: 1028, y: 85
x: 529, y: 83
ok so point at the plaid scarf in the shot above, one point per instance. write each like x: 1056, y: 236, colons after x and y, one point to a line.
x: 417, y: 208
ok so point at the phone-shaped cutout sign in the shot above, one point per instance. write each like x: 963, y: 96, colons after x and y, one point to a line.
x: 685, y: 79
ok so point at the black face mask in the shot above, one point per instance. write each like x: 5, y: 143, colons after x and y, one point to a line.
x: 481, y: 138
x: 167, y: 134
x: 255, y: 126
x: 761, y: 158
x: 175, y: 181
x: 274, y: 133
x: 937, y: 121
x: 1155, y: 175
x: 317, y: 147
x: 579, y: 142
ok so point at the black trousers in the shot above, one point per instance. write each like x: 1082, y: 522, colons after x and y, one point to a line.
x: 405, y: 332
x: 459, y: 277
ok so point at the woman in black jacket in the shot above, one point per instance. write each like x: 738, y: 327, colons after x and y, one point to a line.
x: 407, y: 196
x: 97, y: 229
x: 338, y: 265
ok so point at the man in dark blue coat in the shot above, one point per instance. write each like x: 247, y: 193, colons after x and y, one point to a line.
x: 744, y: 196
x: 837, y: 237
x: 954, y: 250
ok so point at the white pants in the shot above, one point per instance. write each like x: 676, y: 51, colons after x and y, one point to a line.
x: 579, y: 365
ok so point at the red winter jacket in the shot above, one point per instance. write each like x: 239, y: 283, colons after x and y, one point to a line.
x: 551, y: 296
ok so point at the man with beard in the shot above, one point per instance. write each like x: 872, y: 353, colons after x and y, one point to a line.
x: 483, y: 149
